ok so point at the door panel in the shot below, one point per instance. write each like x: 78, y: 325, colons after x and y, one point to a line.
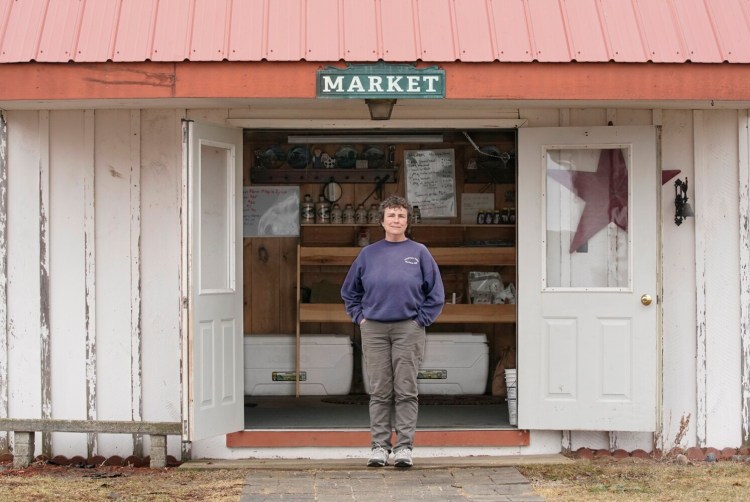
x: 215, y: 332
x: 587, y: 247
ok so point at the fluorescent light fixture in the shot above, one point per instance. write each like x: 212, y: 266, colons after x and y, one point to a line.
x: 367, y: 138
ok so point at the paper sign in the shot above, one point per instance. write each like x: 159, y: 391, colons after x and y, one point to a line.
x: 472, y: 203
x: 270, y: 211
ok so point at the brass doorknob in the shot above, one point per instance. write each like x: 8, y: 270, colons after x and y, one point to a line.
x: 646, y: 299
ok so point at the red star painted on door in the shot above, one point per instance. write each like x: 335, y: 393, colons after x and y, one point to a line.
x: 604, y: 191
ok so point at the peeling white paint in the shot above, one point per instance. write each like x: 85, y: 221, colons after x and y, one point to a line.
x: 744, y: 230
x: 4, y: 441
x: 700, y: 278
x: 89, y: 231
x: 136, y: 356
x: 44, y: 277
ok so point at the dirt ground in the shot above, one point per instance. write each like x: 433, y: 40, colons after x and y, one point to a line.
x: 582, y: 480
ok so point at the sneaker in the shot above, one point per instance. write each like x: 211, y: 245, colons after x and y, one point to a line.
x: 402, y: 458
x: 378, y: 457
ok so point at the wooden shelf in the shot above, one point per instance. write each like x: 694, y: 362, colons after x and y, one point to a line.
x: 459, y: 313
x: 297, y: 176
x: 470, y: 256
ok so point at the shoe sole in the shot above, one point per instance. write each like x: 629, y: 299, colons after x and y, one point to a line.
x: 376, y: 464
x: 403, y: 465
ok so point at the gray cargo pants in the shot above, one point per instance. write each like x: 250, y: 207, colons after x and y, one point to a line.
x: 393, y: 352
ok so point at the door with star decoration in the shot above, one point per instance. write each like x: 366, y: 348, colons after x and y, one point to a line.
x: 587, y: 247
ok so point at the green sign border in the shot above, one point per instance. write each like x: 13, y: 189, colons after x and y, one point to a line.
x: 384, y: 70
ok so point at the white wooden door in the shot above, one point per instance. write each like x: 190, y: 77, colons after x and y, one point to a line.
x: 587, y: 247
x: 214, y: 157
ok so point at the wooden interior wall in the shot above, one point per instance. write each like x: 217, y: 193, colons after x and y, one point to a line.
x: 270, y: 262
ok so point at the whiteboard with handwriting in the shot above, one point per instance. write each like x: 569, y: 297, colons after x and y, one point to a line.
x: 431, y: 182
x: 270, y: 211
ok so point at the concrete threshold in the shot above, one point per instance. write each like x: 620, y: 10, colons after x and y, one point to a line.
x: 356, y: 463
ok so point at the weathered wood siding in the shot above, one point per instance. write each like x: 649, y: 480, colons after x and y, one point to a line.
x: 93, y: 204
x: 90, y: 293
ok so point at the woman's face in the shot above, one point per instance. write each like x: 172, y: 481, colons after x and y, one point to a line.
x: 395, y: 221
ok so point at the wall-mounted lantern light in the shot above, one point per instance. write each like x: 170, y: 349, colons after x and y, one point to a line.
x: 380, y: 109
x: 682, y: 208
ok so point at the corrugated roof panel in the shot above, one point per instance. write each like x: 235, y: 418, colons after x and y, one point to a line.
x: 135, y: 30
x: 711, y: 31
x: 60, y: 33
x: 663, y: 39
x: 585, y: 28
x: 21, y: 39
x: 435, y: 22
x: 359, y: 25
x: 732, y: 29
x: 550, y: 40
x: 400, y: 32
x: 285, y: 31
x: 513, y: 41
x: 96, y: 35
x: 208, y: 42
x: 473, y: 26
x: 697, y: 31
x: 174, y: 27
x: 246, y: 31
x: 323, y: 41
x: 623, y: 31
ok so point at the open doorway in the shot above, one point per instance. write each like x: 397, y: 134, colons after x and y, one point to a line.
x: 302, y: 354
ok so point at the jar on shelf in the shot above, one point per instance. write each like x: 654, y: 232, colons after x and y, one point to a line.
x: 512, y: 215
x: 497, y: 217
x: 307, y: 212
x: 337, y: 216
x: 505, y: 218
x: 416, y: 215
x: 363, y: 237
x: 373, y: 215
x: 360, y: 215
x: 348, y: 215
x: 322, y: 211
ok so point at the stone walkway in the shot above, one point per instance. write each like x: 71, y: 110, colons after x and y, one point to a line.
x: 499, y: 484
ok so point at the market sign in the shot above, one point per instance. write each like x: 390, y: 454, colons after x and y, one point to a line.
x: 381, y: 80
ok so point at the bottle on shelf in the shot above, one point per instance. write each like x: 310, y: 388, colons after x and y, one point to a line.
x: 307, y: 213
x: 416, y: 215
x: 337, y: 216
x: 512, y: 216
x: 348, y: 215
x: 360, y: 216
x: 363, y: 237
x: 322, y: 211
x: 373, y: 215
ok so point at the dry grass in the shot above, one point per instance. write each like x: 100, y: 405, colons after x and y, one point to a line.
x: 599, y: 480
x: 603, y: 480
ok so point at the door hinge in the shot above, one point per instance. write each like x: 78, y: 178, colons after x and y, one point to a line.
x: 185, y: 302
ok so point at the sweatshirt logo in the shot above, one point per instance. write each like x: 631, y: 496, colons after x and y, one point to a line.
x: 411, y: 260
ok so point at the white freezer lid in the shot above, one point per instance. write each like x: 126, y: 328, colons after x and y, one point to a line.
x: 332, y: 339
x: 456, y: 338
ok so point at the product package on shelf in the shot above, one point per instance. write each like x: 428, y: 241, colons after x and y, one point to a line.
x: 488, y: 287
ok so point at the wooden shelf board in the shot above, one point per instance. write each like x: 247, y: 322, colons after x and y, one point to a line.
x: 469, y: 256
x: 459, y: 313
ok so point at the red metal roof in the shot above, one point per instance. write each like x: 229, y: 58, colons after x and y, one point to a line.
x: 661, y: 31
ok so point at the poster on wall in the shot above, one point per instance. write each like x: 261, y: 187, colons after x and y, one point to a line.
x: 431, y: 182
x: 270, y: 211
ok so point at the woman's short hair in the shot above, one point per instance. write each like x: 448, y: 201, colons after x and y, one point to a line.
x: 394, y: 201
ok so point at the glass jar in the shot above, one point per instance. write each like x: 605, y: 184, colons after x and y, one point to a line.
x: 337, y: 216
x: 373, y: 215
x: 416, y: 215
x: 322, y: 211
x: 348, y: 215
x: 307, y: 212
x: 360, y: 216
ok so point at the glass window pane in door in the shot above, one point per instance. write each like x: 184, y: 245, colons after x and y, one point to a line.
x: 215, y: 218
x: 587, y: 198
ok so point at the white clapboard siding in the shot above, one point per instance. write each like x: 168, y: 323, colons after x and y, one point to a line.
x: 678, y: 278
x: 717, y: 212
x: 160, y: 267
x: 24, y: 345
x: 4, y: 435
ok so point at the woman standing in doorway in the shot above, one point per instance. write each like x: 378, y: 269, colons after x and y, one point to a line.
x: 393, y: 290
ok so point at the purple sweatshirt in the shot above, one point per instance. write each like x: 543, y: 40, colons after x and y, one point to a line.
x: 394, y: 281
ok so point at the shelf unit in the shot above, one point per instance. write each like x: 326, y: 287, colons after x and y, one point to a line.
x: 444, y: 256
